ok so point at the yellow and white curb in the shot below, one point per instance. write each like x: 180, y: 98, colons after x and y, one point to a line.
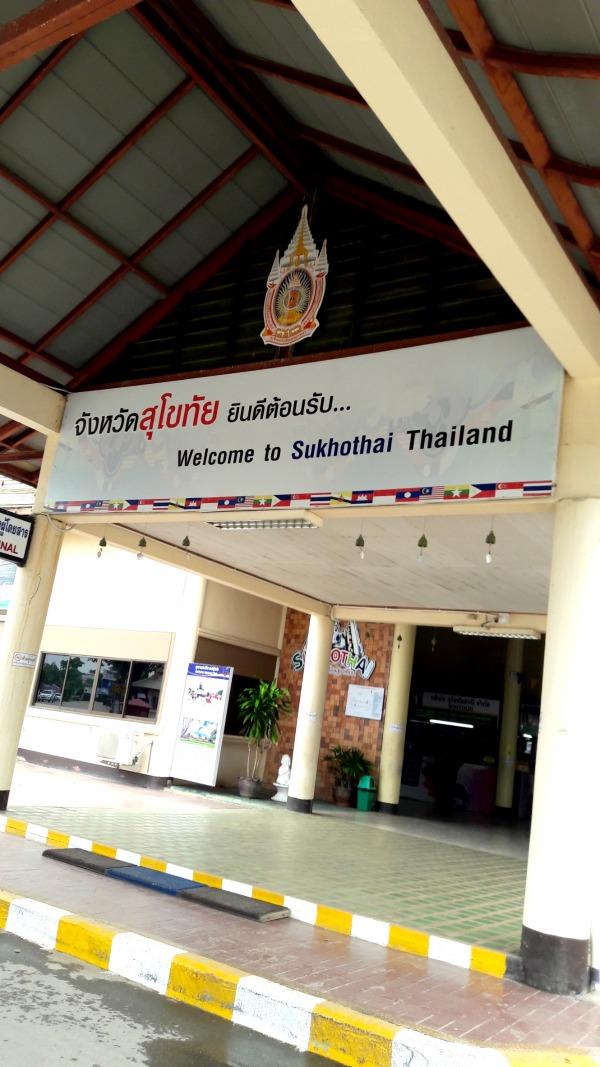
x: 291, y: 1016
x: 387, y: 934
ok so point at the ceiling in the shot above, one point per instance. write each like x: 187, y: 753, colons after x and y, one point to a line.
x: 324, y: 563
x: 138, y: 157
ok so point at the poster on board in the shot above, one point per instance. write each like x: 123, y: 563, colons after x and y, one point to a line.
x: 365, y: 701
x: 201, y: 723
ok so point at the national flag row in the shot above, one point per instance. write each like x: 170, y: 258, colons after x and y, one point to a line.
x: 482, y: 491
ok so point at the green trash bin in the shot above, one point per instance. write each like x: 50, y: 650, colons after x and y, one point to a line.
x: 366, y: 793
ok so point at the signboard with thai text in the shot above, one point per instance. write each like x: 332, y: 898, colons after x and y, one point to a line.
x: 365, y: 701
x: 201, y: 724
x: 15, y: 536
x: 469, y: 419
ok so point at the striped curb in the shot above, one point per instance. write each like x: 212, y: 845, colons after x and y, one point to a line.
x: 306, y: 1022
x: 376, y: 931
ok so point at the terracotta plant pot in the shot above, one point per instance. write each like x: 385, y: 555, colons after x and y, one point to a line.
x: 341, y: 796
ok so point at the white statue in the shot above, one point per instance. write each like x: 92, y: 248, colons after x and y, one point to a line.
x: 282, y: 781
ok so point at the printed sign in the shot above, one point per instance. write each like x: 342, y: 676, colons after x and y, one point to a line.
x: 201, y: 724
x: 469, y: 419
x: 347, y: 655
x: 365, y: 701
x: 449, y: 702
x: 24, y: 659
x: 15, y: 536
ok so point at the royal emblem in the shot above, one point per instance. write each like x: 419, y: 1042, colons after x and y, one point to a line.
x: 295, y: 289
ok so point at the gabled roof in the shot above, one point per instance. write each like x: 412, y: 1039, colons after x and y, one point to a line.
x: 139, y: 157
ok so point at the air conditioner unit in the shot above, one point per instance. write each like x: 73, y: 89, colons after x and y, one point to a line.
x: 121, y: 749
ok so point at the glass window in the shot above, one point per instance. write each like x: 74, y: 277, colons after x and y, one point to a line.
x: 144, y: 690
x: 51, y: 679
x: 111, y: 686
x: 77, y: 692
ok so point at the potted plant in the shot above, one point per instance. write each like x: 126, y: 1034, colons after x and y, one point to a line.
x: 261, y: 707
x: 347, y: 766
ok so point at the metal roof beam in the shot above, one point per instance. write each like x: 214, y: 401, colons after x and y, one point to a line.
x: 526, y: 61
x: 514, y: 102
x: 194, y: 43
x: 385, y: 203
x: 51, y: 22
x: 18, y: 475
x: 36, y: 78
x: 21, y: 455
x: 196, y: 277
x: 406, y: 72
x: 577, y: 172
x: 316, y: 82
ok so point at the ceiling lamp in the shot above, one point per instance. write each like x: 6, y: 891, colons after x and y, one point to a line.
x: 141, y: 546
x: 360, y: 544
x: 186, y: 542
x: 490, y: 540
x: 422, y: 543
x: 293, y: 520
x: 523, y: 634
x: 101, y: 544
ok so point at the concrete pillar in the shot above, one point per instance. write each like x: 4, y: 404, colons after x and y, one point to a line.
x: 23, y: 630
x: 183, y: 652
x: 509, y: 727
x: 310, y: 715
x: 560, y: 872
x: 394, y: 723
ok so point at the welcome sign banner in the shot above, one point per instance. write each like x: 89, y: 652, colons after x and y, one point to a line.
x: 468, y: 419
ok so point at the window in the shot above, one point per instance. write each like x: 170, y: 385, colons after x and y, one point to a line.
x: 111, y: 686
x: 99, y: 686
x: 144, y: 690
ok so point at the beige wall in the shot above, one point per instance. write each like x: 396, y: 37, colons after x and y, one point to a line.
x: 121, y: 607
x: 239, y: 618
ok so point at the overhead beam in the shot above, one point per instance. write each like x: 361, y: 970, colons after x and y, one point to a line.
x: 18, y: 475
x: 36, y: 78
x: 577, y: 172
x: 316, y: 82
x: 385, y: 203
x: 195, y: 44
x: 355, y: 151
x: 526, y: 61
x: 163, y: 552
x: 30, y: 403
x: 196, y: 277
x: 412, y: 82
x: 21, y: 455
x: 51, y: 22
x: 516, y: 106
x: 435, y: 617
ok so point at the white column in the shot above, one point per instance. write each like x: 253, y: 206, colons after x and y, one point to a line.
x: 509, y: 727
x: 310, y: 715
x: 183, y: 652
x: 25, y: 625
x: 560, y: 871
x: 394, y: 723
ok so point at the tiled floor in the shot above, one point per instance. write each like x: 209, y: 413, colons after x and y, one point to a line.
x: 367, y: 864
x: 392, y: 985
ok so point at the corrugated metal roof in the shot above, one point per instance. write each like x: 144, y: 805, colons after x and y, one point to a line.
x: 273, y: 33
x: 110, y: 314
x: 558, y: 26
x: 208, y: 227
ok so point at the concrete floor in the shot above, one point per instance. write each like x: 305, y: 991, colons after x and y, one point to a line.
x: 57, y: 1011
x: 460, y: 880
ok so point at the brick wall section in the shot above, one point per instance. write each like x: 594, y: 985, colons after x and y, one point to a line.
x: 337, y: 727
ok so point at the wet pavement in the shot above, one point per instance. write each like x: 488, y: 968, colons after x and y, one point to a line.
x: 57, y: 1011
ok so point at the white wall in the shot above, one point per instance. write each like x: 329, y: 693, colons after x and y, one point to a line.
x: 121, y: 607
